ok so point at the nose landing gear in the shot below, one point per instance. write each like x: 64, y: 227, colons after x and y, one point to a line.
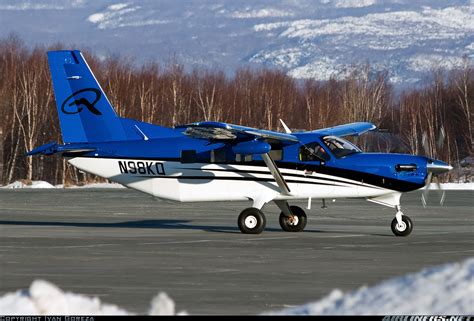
x: 401, y: 224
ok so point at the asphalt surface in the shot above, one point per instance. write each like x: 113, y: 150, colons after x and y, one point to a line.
x: 125, y: 247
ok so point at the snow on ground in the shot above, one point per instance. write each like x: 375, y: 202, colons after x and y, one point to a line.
x: 121, y: 15
x: 44, y: 298
x: 43, y: 184
x: 37, y: 5
x: 34, y: 184
x: 353, y: 3
x: 395, y: 33
x: 261, y: 13
x: 440, y: 290
x: 446, y: 289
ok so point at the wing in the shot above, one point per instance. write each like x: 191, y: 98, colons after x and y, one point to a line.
x: 247, y: 140
x: 352, y: 129
x: 224, y: 131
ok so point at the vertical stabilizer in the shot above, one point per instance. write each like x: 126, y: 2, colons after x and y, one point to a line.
x: 85, y: 113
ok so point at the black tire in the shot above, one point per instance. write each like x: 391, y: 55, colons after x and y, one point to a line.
x: 251, y: 221
x: 403, y: 230
x: 299, y: 220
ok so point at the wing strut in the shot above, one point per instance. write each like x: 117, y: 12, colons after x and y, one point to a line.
x: 276, y: 173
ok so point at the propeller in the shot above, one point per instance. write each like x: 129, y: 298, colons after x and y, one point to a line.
x: 434, y: 168
x: 287, y: 129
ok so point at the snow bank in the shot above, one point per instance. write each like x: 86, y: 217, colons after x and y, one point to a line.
x: 43, y: 184
x: 44, y: 298
x: 25, y: 184
x: 446, y: 289
x: 441, y: 290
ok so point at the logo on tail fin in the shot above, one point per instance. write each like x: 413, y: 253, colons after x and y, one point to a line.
x: 81, y: 99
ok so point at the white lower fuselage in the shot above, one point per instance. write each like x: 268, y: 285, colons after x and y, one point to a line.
x: 223, y: 182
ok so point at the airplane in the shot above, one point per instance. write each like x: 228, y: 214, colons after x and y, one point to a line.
x: 216, y: 161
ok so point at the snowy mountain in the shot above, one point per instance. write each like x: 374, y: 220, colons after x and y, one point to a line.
x: 305, y: 38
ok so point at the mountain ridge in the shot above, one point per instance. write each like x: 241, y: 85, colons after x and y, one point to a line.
x: 306, y: 39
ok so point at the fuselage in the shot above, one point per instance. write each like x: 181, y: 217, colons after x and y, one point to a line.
x: 181, y: 168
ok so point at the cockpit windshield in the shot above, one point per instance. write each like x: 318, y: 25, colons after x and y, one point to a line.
x: 340, y: 147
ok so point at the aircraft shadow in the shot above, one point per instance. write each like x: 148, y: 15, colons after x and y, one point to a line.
x: 142, y: 224
x: 163, y: 224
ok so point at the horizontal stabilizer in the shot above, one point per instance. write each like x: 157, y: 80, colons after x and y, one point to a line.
x: 53, y: 148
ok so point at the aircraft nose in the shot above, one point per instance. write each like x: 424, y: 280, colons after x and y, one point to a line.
x: 437, y: 167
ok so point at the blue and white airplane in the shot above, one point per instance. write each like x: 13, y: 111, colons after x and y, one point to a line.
x: 215, y: 161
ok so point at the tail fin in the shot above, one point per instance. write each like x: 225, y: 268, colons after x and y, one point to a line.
x: 85, y: 113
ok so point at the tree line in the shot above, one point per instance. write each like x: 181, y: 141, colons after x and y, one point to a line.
x: 413, y: 120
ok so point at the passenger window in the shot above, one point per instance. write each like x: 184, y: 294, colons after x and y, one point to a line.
x: 188, y: 156
x: 313, y: 152
x: 276, y: 154
x: 243, y: 158
x: 218, y: 156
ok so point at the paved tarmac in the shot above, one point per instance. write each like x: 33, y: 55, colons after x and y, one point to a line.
x: 125, y: 247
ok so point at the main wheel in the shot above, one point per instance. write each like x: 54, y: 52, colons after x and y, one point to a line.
x: 251, y: 221
x: 403, y: 229
x: 294, y: 223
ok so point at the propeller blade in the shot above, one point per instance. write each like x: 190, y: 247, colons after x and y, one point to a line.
x: 287, y: 129
x: 423, y: 199
x: 424, y: 143
x: 434, y: 167
x: 426, y: 190
x: 425, y: 193
x: 442, y: 136
x: 443, y: 198
x: 429, y: 177
x: 440, y: 190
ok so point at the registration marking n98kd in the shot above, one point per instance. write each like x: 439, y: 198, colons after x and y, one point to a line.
x: 147, y: 168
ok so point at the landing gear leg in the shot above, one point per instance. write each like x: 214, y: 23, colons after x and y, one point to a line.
x: 401, y: 224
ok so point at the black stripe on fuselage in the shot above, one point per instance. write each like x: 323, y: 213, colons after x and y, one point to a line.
x: 232, y: 170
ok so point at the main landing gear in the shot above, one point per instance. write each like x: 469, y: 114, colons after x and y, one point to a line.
x: 292, y: 219
x: 295, y: 222
x: 251, y: 221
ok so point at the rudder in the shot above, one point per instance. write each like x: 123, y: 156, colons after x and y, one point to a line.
x: 85, y: 113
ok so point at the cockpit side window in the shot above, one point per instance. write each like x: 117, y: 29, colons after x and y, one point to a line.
x: 340, y: 147
x: 313, y: 152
